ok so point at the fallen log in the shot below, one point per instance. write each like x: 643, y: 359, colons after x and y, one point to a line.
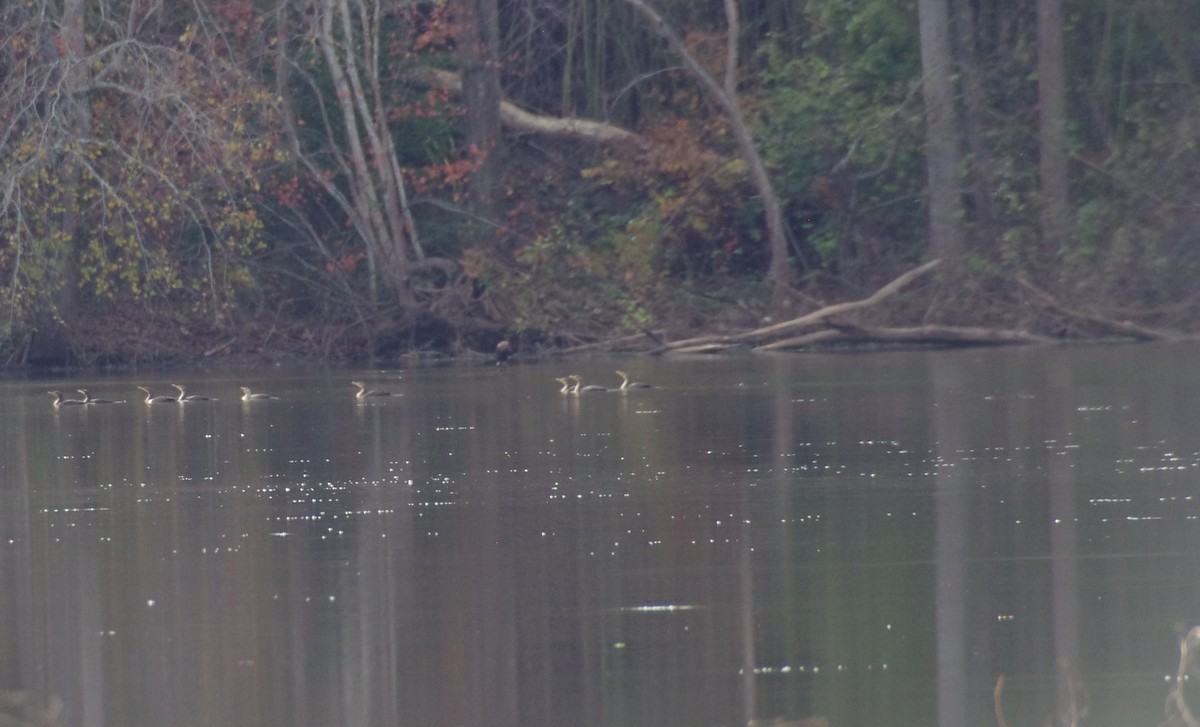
x: 935, y: 335
x: 1121, y: 328
x: 624, y: 343
x: 520, y: 121
x: 758, y: 336
x: 821, y: 315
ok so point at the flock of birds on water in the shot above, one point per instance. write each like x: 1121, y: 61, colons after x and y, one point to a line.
x: 572, y: 385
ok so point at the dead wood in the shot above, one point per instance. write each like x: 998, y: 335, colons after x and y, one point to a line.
x: 823, y: 314
x: 761, y: 336
x: 1121, y: 328
x: 637, y: 341
x: 816, y: 338
x: 712, y: 347
x: 929, y: 335
x: 520, y: 121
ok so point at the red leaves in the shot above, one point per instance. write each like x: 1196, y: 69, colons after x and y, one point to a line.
x: 288, y: 193
x: 345, y: 264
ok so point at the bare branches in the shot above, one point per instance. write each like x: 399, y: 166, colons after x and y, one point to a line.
x: 119, y: 143
x: 825, y: 326
x: 726, y: 100
x: 359, y: 143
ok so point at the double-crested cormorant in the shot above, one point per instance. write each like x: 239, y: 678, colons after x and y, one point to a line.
x: 185, y: 397
x: 504, y: 351
x: 579, y: 388
x: 60, y: 401
x: 160, y: 399
x: 566, y: 385
x: 363, y: 392
x: 627, y: 384
x: 248, y: 395
x: 87, y: 398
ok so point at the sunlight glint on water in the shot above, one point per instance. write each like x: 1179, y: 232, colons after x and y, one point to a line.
x: 867, y: 539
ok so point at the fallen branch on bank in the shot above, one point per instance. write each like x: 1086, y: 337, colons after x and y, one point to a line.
x: 637, y: 341
x: 828, y: 326
x: 519, y: 121
x: 1104, y: 325
x: 822, y: 315
x: 929, y: 335
x: 823, y: 329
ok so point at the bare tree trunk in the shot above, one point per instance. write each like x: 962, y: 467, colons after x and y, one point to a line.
x: 981, y: 167
x: 779, y: 272
x: 1052, y: 119
x: 478, y: 51
x: 78, y: 125
x: 379, y: 200
x: 943, y: 153
x: 731, y: 47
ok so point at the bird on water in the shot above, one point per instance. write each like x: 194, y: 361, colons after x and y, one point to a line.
x: 88, y: 399
x: 566, y: 385
x: 579, y: 387
x: 363, y: 392
x: 626, y: 384
x: 248, y: 395
x: 160, y: 399
x: 184, y: 396
x: 60, y: 401
x: 504, y: 351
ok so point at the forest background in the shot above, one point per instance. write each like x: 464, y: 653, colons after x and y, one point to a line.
x: 369, y: 178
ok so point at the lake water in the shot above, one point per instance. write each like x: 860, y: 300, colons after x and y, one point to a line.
x: 869, y: 539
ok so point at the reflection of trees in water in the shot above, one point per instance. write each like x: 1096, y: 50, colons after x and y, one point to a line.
x: 21, y: 709
x: 1183, y: 704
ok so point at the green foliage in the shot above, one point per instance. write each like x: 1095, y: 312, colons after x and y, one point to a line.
x: 695, y: 198
x: 142, y: 190
x: 843, y: 140
x: 873, y: 44
x: 562, y: 283
x: 150, y: 192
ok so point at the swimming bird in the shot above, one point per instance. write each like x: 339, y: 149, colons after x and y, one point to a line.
x: 363, y: 392
x: 184, y: 396
x: 60, y: 401
x: 248, y: 395
x: 566, y: 385
x: 627, y: 384
x: 160, y: 399
x: 579, y: 388
x: 87, y: 398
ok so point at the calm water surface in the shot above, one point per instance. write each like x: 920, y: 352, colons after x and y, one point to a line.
x: 870, y: 539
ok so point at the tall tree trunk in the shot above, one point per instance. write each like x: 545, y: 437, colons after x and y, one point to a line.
x: 478, y: 52
x: 779, y: 272
x: 734, y: 24
x: 980, y: 172
x: 348, y: 38
x: 79, y: 125
x: 1052, y: 121
x: 943, y: 148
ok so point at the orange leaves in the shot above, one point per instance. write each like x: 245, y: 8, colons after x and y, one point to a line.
x: 435, y: 31
x: 345, y: 264
x: 288, y: 192
x: 450, y: 176
x: 435, y: 104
